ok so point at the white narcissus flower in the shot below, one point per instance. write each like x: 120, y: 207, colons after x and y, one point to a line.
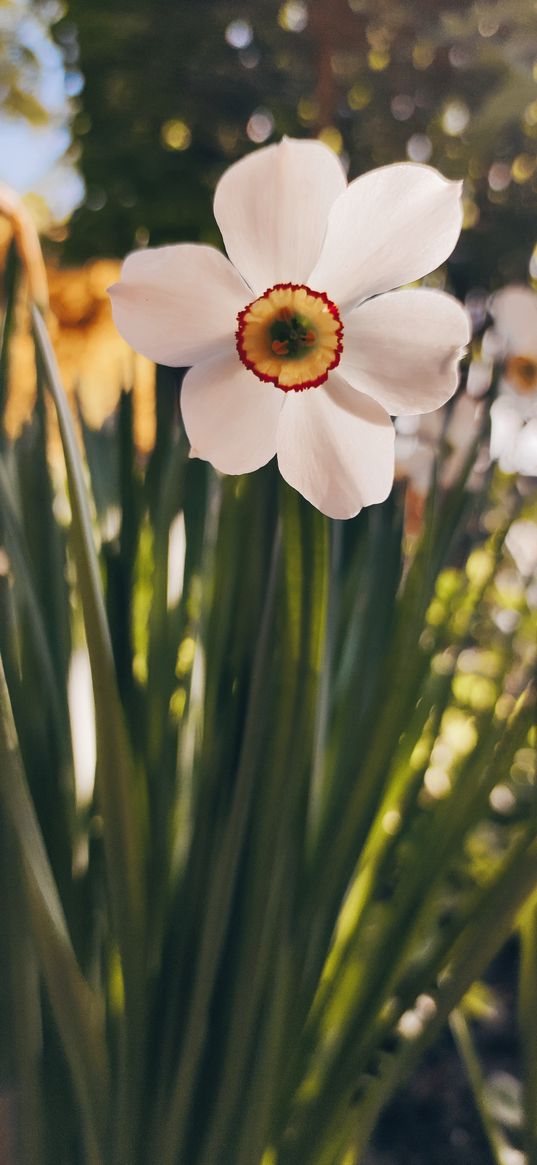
x: 300, y: 346
x: 513, y: 416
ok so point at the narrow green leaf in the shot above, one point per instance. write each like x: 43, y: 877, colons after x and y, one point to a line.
x: 46, y: 540
x: 12, y: 270
x: 217, y: 909
x: 116, y: 781
x: 18, y: 552
x: 77, y: 1012
x: 527, y: 1019
x: 488, y: 927
x: 266, y: 965
x: 460, y: 1030
x: 21, y: 1037
x: 38, y: 686
x: 116, y: 778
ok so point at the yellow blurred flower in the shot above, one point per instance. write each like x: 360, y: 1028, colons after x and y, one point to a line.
x: 95, y: 362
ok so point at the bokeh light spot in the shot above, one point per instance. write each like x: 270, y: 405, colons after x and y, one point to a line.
x: 502, y: 799
x: 423, y: 54
x: 530, y: 113
x: 260, y: 126
x: 176, y: 134
x: 523, y: 168
x: 488, y: 25
x: 250, y: 57
x: 419, y: 147
x: 293, y: 16
x: 499, y: 176
x: 359, y: 96
x: 332, y: 138
x: 455, y: 118
x: 437, y: 783
x: 378, y: 60
x: 308, y: 110
x: 403, y: 106
x: 239, y: 34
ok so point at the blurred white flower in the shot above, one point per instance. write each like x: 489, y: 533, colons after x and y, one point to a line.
x: 417, y: 443
x: 514, y: 311
x: 299, y: 343
x: 513, y: 440
x: 521, y: 542
x: 456, y: 428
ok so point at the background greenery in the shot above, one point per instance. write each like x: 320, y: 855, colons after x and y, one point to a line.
x: 279, y: 855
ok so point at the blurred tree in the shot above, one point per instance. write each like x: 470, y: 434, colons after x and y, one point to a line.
x: 175, y: 90
x: 37, y: 82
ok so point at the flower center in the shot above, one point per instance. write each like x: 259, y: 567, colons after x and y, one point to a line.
x: 291, y: 336
x: 522, y: 372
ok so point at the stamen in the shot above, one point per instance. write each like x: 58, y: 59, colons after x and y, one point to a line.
x: 291, y: 337
x: 522, y: 372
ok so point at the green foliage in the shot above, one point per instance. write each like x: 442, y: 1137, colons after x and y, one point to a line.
x: 296, y: 861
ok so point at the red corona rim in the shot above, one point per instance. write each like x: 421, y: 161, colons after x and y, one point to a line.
x: 290, y: 336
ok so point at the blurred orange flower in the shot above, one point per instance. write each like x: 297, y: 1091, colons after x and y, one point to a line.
x: 95, y: 362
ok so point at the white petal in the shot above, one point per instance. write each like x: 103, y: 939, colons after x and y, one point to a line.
x: 178, y: 305
x: 390, y: 227
x: 492, y: 346
x: 272, y: 209
x: 521, y: 542
x: 403, y: 349
x: 514, y: 311
x: 523, y: 403
x: 230, y: 416
x: 526, y: 449
x: 336, y: 447
x: 505, y: 427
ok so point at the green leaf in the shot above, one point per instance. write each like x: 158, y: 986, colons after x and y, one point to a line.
x: 460, y: 1030
x: 38, y: 696
x: 116, y: 778
x: 21, y: 1039
x: 486, y: 929
x: 216, y: 915
x: 78, y: 1014
x: 12, y: 271
x: 527, y: 1024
